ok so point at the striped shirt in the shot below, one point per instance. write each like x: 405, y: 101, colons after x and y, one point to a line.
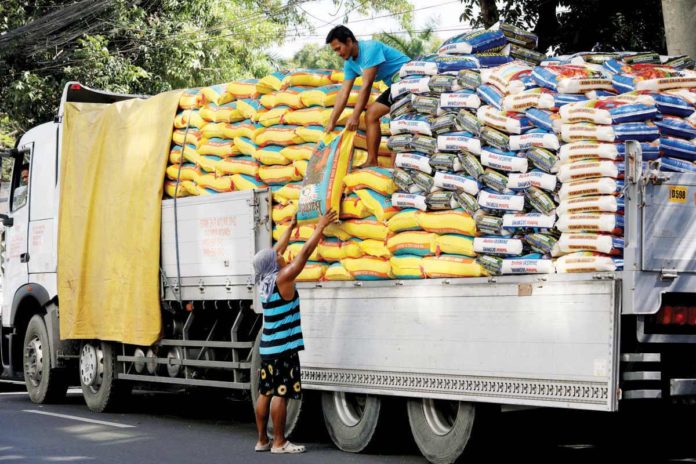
x: 282, y: 330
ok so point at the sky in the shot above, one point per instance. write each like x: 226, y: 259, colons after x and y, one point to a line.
x: 324, y: 15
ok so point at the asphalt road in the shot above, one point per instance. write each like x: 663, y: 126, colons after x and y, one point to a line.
x: 171, y: 428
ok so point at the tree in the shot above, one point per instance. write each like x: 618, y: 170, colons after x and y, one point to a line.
x: 316, y: 56
x: 413, y: 44
x: 140, y: 46
x: 570, y: 26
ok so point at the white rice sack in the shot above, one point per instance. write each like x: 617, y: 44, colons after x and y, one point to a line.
x: 591, y: 222
x: 584, y: 131
x: 511, y: 123
x: 498, y: 246
x: 589, y: 169
x: 497, y: 201
x: 576, y: 78
x: 593, y: 204
x: 456, y: 182
x: 503, y: 161
x: 607, y: 111
x: 607, y: 244
x: 410, y: 124
x: 418, y: 68
x: 532, y: 98
x: 408, y: 200
x: 529, y: 221
x: 413, y: 161
x: 417, y: 85
x: 534, y: 139
x: 577, y: 151
x: 537, y: 179
x: 507, y: 77
x: 459, y: 141
x: 527, y: 266
x: 584, y: 261
x: 590, y: 187
x: 461, y: 99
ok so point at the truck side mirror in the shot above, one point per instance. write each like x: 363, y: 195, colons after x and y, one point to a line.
x: 7, y: 221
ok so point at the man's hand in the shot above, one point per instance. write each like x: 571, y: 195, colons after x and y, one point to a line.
x: 329, y: 127
x: 353, y: 122
x: 329, y: 218
x: 293, y: 222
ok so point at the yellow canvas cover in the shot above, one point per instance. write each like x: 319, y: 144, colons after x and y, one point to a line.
x: 111, y: 175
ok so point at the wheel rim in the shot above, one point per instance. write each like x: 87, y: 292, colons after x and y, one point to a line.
x: 350, y: 407
x: 91, y: 366
x: 33, y: 367
x: 440, y: 415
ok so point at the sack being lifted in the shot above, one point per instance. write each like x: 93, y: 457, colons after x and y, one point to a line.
x: 323, y: 186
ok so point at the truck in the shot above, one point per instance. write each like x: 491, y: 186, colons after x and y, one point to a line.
x: 450, y: 352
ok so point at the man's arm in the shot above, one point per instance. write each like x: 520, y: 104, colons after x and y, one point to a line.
x: 363, y: 97
x: 340, y: 104
x: 282, y: 244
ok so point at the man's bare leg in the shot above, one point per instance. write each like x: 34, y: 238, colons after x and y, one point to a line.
x: 262, y: 406
x: 278, y: 415
x: 374, y: 133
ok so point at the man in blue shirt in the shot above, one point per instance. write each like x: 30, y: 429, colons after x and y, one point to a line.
x: 375, y: 62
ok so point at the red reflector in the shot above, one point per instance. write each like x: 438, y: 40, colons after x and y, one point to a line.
x: 692, y: 316
x: 680, y: 313
x: 75, y: 87
x: 665, y: 316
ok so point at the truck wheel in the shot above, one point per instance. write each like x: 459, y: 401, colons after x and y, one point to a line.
x: 441, y: 429
x: 351, y: 419
x: 294, y: 406
x: 44, y: 385
x: 100, y: 388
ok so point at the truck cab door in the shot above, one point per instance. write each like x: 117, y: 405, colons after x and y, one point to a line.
x: 16, y: 260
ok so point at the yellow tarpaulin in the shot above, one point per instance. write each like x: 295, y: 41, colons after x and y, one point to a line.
x: 112, y: 170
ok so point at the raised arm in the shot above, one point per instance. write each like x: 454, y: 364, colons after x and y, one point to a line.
x: 340, y: 104
x: 282, y: 244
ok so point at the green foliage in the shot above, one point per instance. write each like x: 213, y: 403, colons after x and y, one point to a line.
x: 414, y: 44
x: 316, y: 56
x: 149, y: 47
x: 569, y: 26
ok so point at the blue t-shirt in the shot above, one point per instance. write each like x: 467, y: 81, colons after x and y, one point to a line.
x: 373, y: 53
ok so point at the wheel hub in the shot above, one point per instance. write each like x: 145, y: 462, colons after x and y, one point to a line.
x: 440, y: 415
x: 34, y: 361
x: 91, y: 365
x: 350, y: 407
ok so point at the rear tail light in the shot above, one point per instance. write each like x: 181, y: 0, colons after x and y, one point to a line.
x: 676, y: 315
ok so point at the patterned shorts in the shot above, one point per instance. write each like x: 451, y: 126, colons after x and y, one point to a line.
x: 281, y: 377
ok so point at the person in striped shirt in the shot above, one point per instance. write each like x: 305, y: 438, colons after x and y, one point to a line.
x: 281, y: 338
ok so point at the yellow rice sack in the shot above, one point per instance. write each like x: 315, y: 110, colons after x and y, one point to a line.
x: 208, y: 163
x: 216, y: 183
x: 278, y: 135
x: 407, y: 267
x: 326, y: 96
x: 190, y: 154
x: 243, y: 89
x: 330, y: 250
x: 221, y: 113
x: 192, y: 118
x: 287, y: 193
x: 294, y: 249
x: 246, y: 128
x: 311, y: 134
x: 353, y: 208
x: 359, y: 158
x: 368, y: 268
x: 244, y: 182
x: 385, y: 162
x: 224, y: 148
x: 283, y: 213
x: 302, y: 151
x: 170, y: 189
x: 375, y: 248
x: 416, y: 243
x: 272, y: 117
x: 271, y: 155
x: 314, y: 116
x: 336, y: 230
x: 376, y: 179
x: 300, y: 234
x: 454, y: 221
x: 312, y: 272
x: 216, y: 94
x: 246, y: 146
x: 249, y: 107
x: 238, y: 165
x: 445, y: 266
x: 275, y: 175
x: 308, y: 77
x: 213, y: 130
x: 290, y: 97
x: 187, y: 172
x: 192, y: 188
x: 190, y: 99
x: 182, y: 137
x: 271, y: 83
x: 268, y: 100
x: 379, y: 205
x: 406, y: 219
x: 336, y: 272
x: 301, y: 167
x: 368, y: 228
x: 323, y: 187
x: 454, y: 244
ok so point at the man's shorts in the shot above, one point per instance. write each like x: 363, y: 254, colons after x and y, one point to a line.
x: 281, y: 377
x: 385, y: 98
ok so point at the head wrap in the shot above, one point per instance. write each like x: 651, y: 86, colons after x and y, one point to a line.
x: 265, y: 272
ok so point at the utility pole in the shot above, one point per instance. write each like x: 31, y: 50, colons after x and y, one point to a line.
x: 680, y: 26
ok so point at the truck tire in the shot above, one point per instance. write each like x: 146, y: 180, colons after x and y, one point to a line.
x: 44, y: 385
x: 100, y: 388
x: 441, y: 429
x: 294, y: 406
x: 351, y: 419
